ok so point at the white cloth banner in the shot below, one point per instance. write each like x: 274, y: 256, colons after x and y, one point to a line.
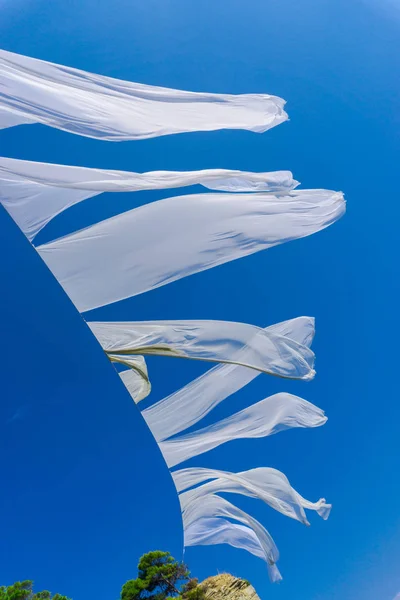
x: 209, y: 531
x: 267, y: 417
x: 37, y: 91
x: 136, y: 379
x: 215, y: 506
x: 266, y: 484
x: 190, y: 404
x: 212, y: 341
x: 34, y: 193
x: 164, y: 241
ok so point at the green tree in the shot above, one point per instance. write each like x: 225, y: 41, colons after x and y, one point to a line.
x: 23, y: 590
x: 160, y: 577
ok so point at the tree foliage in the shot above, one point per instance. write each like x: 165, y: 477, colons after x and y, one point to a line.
x: 23, y: 590
x: 160, y: 577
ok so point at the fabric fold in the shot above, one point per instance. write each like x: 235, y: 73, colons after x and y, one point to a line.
x: 164, y: 241
x: 267, y: 417
x: 33, y: 193
x: 37, y: 91
x: 190, y: 404
x: 136, y: 378
x: 212, y: 506
x: 210, y: 341
x: 264, y: 483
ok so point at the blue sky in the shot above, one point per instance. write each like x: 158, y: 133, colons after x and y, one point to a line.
x: 84, y: 489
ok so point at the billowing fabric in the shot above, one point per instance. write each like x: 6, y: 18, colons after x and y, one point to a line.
x: 213, y: 506
x: 164, y: 241
x: 34, y: 193
x: 195, y: 400
x: 267, y: 417
x: 266, y: 484
x: 136, y: 379
x: 209, y: 531
x: 36, y: 91
x: 215, y: 341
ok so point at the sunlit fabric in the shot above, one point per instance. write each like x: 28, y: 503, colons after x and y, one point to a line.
x: 213, y: 506
x: 267, y: 484
x: 209, y: 531
x: 36, y: 91
x: 271, y: 352
x: 136, y: 379
x: 164, y: 241
x: 267, y: 417
x: 195, y: 400
x: 34, y: 193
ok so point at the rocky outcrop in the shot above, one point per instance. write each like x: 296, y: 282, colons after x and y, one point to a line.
x: 228, y: 587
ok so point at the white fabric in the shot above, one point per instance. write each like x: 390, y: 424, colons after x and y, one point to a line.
x: 215, y: 341
x: 97, y: 106
x: 164, y: 241
x: 215, y: 506
x: 33, y: 193
x: 190, y: 404
x: 209, y: 531
x: 267, y: 417
x: 136, y: 379
x: 266, y: 484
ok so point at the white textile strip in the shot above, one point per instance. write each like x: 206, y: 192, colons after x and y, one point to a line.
x: 210, y: 531
x: 214, y: 341
x: 267, y: 417
x: 136, y: 379
x: 266, y: 484
x: 34, y: 193
x: 190, y: 404
x: 215, y: 506
x: 164, y: 241
x: 37, y: 91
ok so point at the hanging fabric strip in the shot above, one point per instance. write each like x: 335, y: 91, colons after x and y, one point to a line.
x: 215, y: 506
x: 37, y: 91
x: 267, y: 417
x: 190, y: 404
x: 164, y: 241
x: 213, y: 341
x: 34, y: 193
x: 266, y: 484
x: 136, y: 379
x: 210, y: 531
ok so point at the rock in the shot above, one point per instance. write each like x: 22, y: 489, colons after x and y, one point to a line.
x: 228, y: 587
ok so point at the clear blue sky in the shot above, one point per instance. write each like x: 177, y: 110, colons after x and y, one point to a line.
x: 84, y: 489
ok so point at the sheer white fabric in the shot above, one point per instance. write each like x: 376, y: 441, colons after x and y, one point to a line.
x: 34, y: 193
x: 267, y: 417
x: 215, y: 506
x: 209, y: 531
x: 136, y: 379
x: 215, y: 341
x: 266, y: 484
x: 164, y: 241
x: 190, y: 404
x: 97, y: 106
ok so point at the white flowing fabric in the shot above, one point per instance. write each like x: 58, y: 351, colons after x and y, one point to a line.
x: 266, y: 484
x: 214, y: 341
x: 136, y: 379
x: 267, y: 417
x: 215, y: 506
x: 190, y: 404
x: 209, y: 531
x: 37, y: 91
x: 34, y: 193
x: 164, y: 241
